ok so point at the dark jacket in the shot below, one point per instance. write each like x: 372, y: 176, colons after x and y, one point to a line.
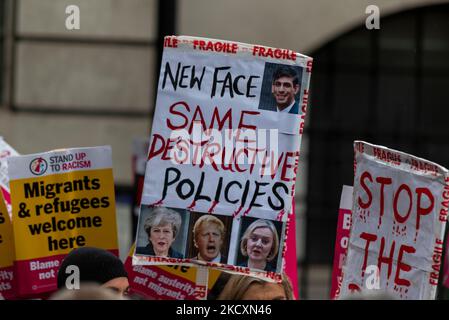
x: 295, y: 108
x: 268, y: 266
x: 149, y: 251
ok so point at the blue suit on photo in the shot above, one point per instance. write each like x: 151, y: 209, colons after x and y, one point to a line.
x: 149, y: 251
x: 295, y: 108
x: 268, y: 266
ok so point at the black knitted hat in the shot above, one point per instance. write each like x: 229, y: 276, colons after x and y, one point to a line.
x: 95, y: 265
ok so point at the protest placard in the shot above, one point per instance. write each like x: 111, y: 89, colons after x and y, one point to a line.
x: 400, y: 208
x: 6, y: 253
x: 160, y: 282
x: 173, y: 282
x: 342, y: 239
x: 225, y: 149
x: 5, y: 151
x: 61, y: 200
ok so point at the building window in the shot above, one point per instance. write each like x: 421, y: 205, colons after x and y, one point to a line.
x: 388, y: 87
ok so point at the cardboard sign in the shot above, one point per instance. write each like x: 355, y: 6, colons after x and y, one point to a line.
x: 225, y: 143
x: 5, y: 151
x: 61, y: 200
x: 6, y: 253
x: 342, y: 239
x: 174, y: 282
x: 399, y: 214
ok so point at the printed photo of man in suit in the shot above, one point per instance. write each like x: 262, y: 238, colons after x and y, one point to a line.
x: 284, y: 88
x: 208, y: 238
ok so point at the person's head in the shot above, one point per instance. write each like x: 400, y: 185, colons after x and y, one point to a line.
x: 285, y: 86
x: 208, y: 236
x: 260, y: 242
x: 89, y: 291
x: 162, y: 227
x: 241, y: 287
x: 94, y: 265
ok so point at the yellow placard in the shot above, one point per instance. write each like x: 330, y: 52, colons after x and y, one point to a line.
x: 56, y: 213
x: 214, y: 274
x: 6, y: 237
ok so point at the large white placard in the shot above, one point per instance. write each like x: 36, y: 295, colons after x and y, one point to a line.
x: 225, y: 142
x: 400, y: 208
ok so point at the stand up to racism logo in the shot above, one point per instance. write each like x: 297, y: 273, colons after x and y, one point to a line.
x: 38, y: 166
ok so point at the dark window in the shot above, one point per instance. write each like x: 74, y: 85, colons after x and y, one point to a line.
x: 388, y: 87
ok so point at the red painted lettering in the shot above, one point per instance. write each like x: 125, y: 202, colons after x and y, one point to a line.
x: 365, y: 175
x: 397, y: 215
x: 369, y: 238
x: 178, y: 113
x: 403, y: 266
x: 420, y: 211
x: 383, y: 181
x: 383, y: 259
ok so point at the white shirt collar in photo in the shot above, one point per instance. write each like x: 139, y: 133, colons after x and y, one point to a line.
x: 287, y: 110
x: 217, y: 258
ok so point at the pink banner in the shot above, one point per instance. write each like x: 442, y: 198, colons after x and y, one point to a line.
x: 291, y: 264
x: 38, y: 276
x: 6, y: 196
x: 157, y: 283
x: 7, y: 283
x: 7, y: 277
x: 342, y: 239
